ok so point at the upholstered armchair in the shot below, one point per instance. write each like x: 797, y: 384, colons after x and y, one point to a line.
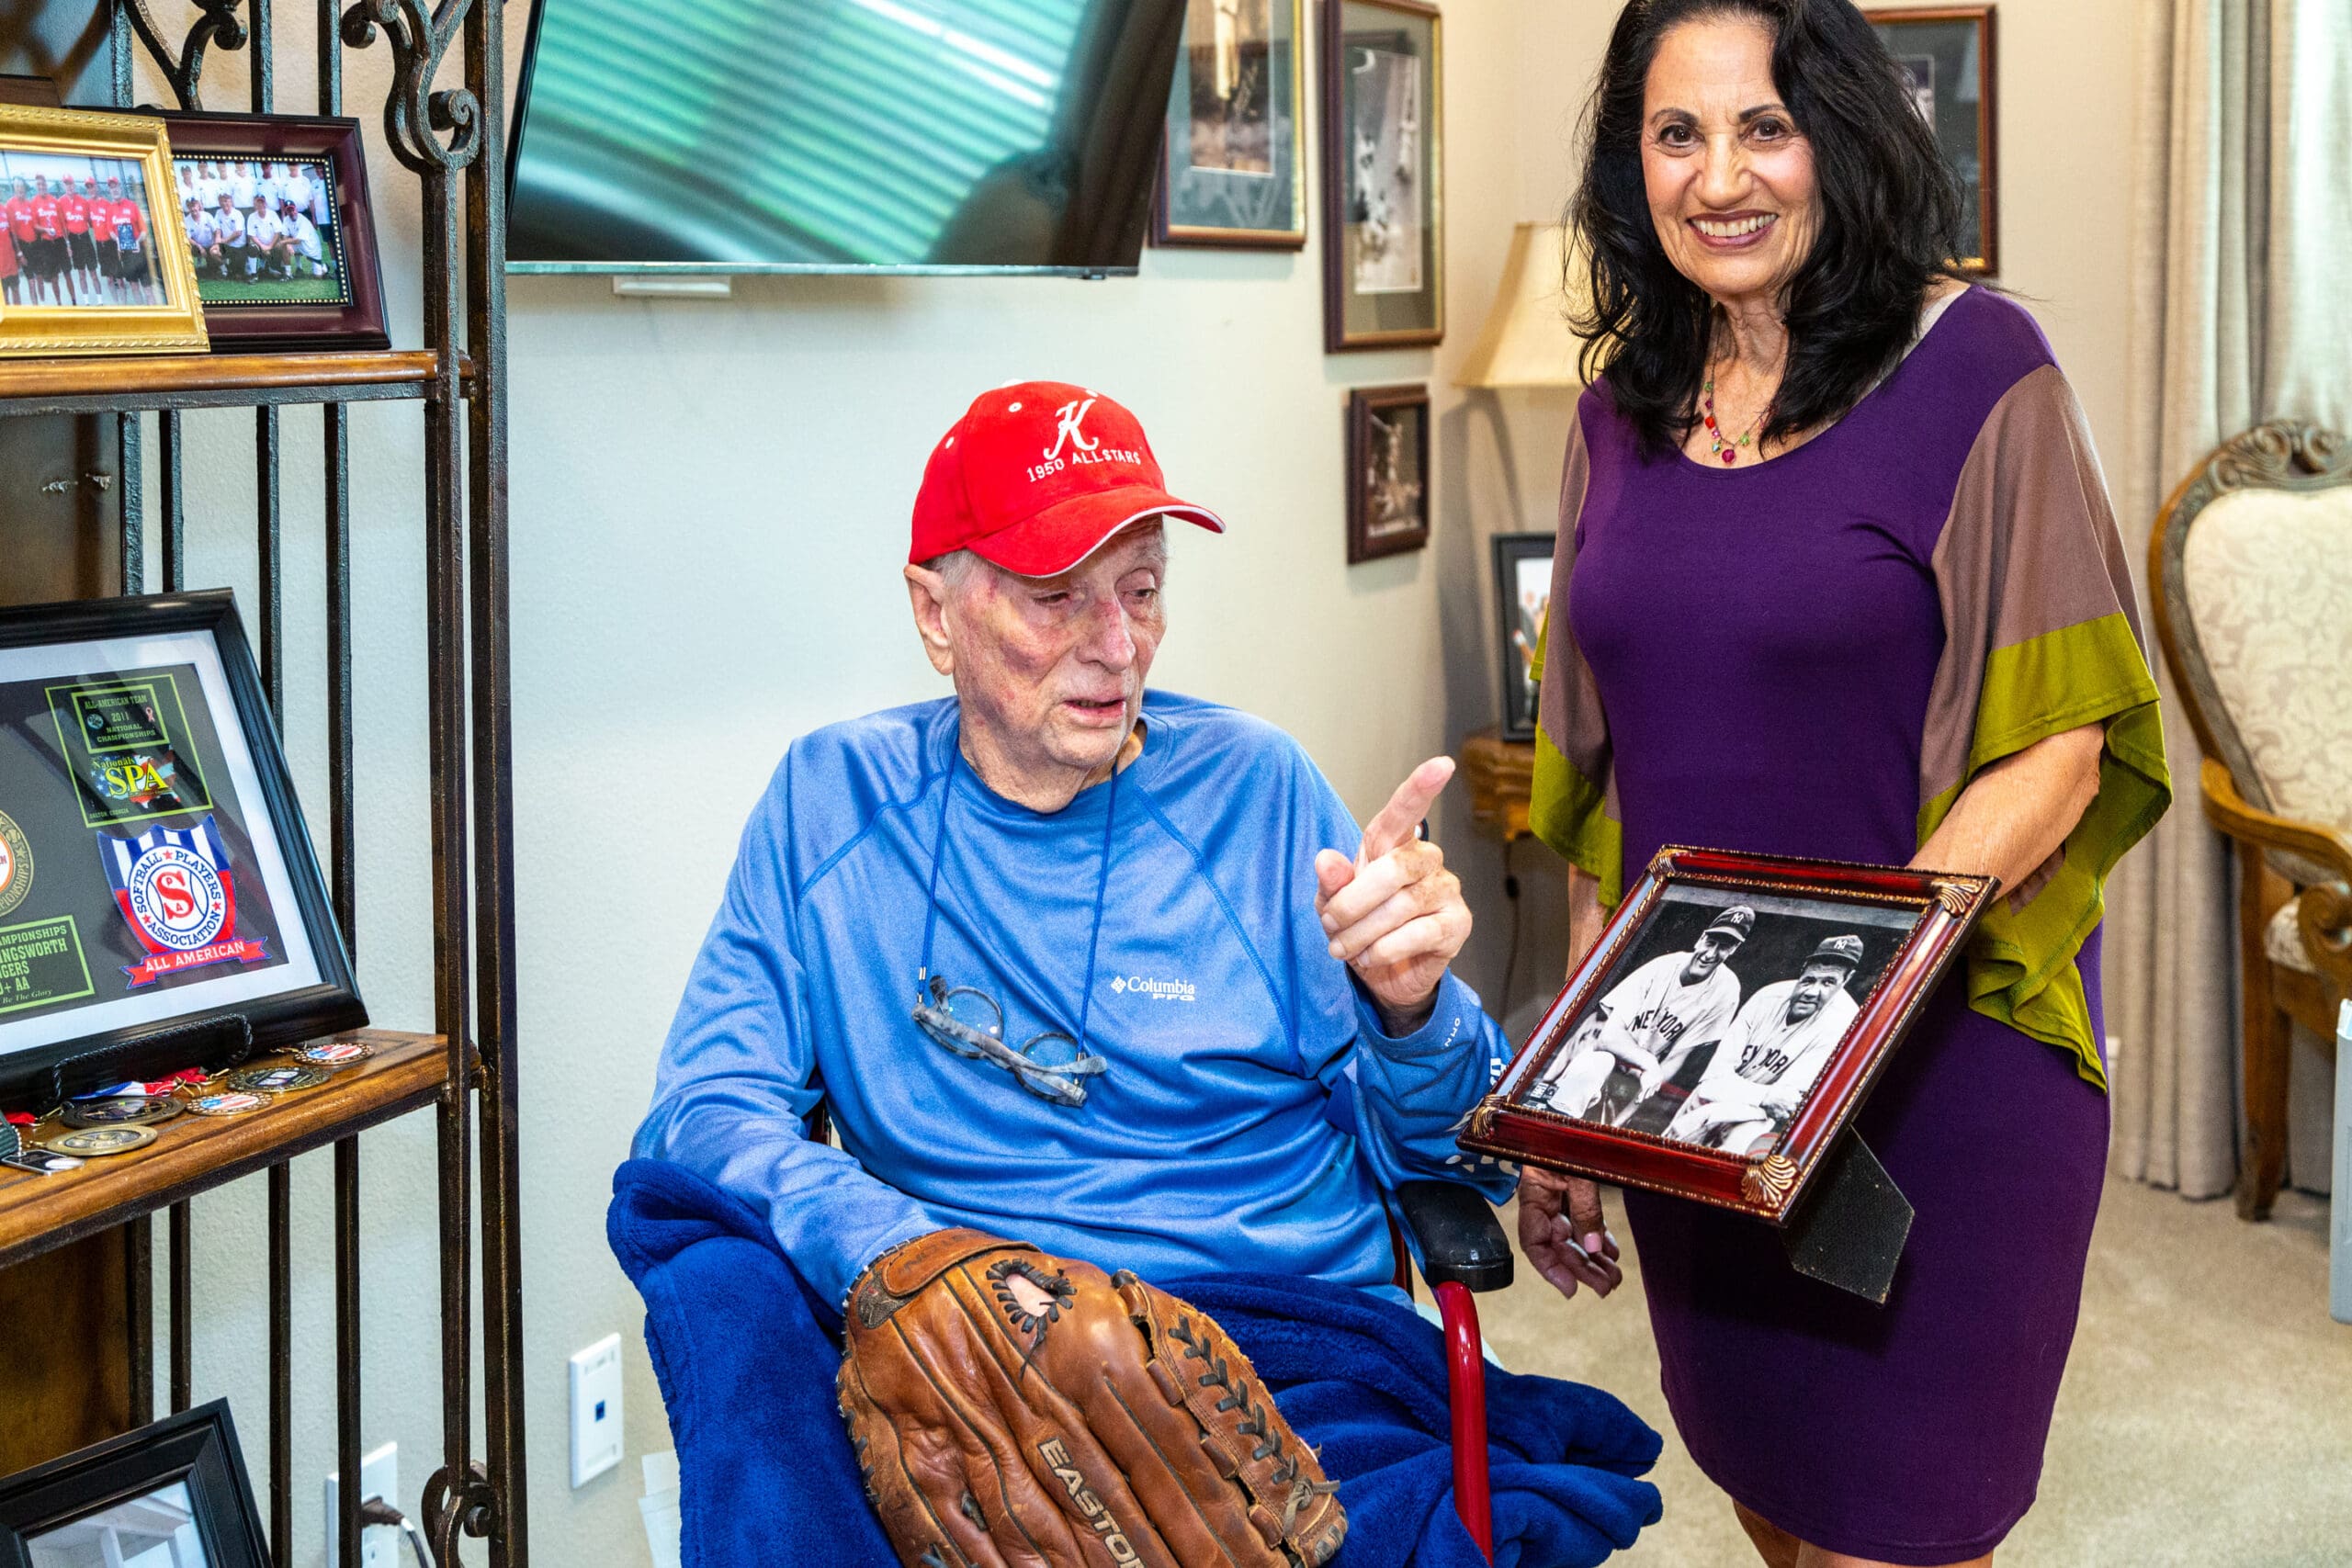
x: 2251, y: 574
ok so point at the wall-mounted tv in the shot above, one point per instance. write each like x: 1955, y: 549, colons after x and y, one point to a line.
x: 839, y: 135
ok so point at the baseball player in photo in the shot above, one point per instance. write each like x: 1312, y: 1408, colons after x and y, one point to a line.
x: 263, y: 236
x: 52, y: 261
x: 18, y: 213
x: 229, y: 233
x: 203, y: 239
x: 1772, y: 1053
x: 80, y: 245
x: 308, y: 242
x: 1649, y: 1022
x: 126, y: 227
x: 241, y: 186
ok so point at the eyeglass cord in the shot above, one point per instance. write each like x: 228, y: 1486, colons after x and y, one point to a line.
x: 1102, y: 884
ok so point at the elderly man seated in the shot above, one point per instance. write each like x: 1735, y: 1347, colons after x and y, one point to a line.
x: 1066, y: 959
x: 1090, y: 977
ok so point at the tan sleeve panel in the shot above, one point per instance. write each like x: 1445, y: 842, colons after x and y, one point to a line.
x: 2031, y: 547
x: 1567, y: 704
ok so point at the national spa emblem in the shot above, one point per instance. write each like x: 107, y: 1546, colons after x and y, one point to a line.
x: 15, y: 864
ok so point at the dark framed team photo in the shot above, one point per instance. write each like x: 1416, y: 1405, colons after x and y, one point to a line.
x: 156, y: 879
x: 1727, y: 1023
x: 1233, y: 166
x: 280, y: 234
x: 1389, y: 470
x: 1946, y: 55
x: 1383, y: 168
x: 1522, y: 596
x: 93, y: 260
x: 173, y: 1494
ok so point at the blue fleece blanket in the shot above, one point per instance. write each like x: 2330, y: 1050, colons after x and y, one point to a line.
x: 746, y: 1357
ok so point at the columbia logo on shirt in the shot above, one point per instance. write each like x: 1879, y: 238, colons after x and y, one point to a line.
x: 1158, y: 990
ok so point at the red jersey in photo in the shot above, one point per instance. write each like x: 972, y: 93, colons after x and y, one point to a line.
x: 19, y: 213
x: 46, y: 217
x: 75, y: 212
x: 129, y: 224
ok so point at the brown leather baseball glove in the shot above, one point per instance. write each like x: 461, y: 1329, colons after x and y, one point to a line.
x: 1011, y: 1409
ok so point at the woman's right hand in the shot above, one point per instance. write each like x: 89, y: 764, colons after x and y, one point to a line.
x: 1561, y: 1227
x: 1564, y: 1234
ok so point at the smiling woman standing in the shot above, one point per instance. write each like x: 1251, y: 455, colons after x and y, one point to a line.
x: 1838, y: 577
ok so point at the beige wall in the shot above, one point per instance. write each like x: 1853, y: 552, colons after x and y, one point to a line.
x: 709, y: 508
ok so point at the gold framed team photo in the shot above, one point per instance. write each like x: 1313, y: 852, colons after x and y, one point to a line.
x: 95, y: 259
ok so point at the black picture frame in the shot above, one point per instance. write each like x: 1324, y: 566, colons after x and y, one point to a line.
x: 1946, y: 54
x: 145, y: 1475
x: 1356, y: 316
x: 354, y: 318
x: 226, y: 994
x: 1389, y: 470
x: 1519, y: 628
x: 1229, y: 208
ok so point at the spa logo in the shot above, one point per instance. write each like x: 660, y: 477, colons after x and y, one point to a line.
x: 1158, y: 990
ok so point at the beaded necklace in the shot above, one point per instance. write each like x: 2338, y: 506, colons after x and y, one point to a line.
x: 1727, y: 451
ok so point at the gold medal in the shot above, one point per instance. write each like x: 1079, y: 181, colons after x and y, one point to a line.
x: 97, y: 1143
x: 282, y: 1079
x: 234, y: 1104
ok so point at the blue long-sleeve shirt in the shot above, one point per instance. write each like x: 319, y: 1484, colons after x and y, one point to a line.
x: 1252, y: 1109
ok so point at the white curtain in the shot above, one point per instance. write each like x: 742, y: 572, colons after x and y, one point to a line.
x: 2242, y: 207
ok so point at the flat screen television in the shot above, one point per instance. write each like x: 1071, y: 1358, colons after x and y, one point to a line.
x: 839, y: 135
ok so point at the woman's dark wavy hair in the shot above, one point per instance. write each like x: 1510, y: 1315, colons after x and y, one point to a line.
x: 1890, y: 216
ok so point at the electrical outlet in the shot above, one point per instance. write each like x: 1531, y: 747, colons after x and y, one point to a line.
x: 595, y: 1409
x: 379, y: 1476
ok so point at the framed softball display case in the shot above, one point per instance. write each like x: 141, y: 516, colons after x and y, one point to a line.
x: 160, y: 905
x: 1728, y: 1024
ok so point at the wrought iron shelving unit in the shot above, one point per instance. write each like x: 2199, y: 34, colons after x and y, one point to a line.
x: 444, y: 120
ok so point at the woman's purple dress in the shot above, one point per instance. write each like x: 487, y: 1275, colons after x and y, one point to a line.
x: 1763, y: 642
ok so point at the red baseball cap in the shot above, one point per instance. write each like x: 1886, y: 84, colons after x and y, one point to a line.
x: 1036, y: 475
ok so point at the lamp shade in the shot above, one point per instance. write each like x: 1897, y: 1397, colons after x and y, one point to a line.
x: 1527, y: 341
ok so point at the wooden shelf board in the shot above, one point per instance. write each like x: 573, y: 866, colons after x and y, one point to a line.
x: 203, y: 380
x: 192, y: 1153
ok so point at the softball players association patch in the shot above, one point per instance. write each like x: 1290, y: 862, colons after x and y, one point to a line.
x: 176, y: 888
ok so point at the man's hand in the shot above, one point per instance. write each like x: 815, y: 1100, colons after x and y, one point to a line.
x: 1569, y: 1249
x: 1395, y: 914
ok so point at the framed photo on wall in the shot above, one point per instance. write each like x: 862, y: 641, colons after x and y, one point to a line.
x: 280, y: 234
x: 170, y: 1494
x: 1383, y: 169
x: 94, y: 260
x: 160, y: 904
x: 1522, y: 593
x: 1791, y: 981
x: 1233, y: 167
x: 1946, y: 54
x: 1389, y: 470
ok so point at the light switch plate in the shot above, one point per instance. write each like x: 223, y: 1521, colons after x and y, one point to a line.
x: 379, y: 1476
x: 595, y: 1409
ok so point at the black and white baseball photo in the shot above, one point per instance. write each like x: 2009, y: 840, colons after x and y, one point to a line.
x: 1720, y: 1016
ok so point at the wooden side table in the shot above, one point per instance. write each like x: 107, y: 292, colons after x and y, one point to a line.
x: 1500, y: 774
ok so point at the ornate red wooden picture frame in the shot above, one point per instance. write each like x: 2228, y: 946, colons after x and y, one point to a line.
x: 1724, y: 1030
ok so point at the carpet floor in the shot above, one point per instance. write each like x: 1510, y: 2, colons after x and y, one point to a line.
x: 2206, y: 1418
